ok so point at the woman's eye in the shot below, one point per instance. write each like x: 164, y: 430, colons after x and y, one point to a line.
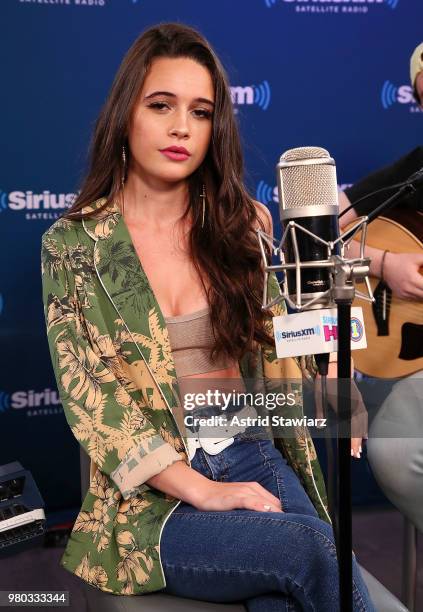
x: 202, y: 113
x: 158, y: 105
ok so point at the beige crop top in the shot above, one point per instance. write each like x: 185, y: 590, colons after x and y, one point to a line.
x: 191, y: 339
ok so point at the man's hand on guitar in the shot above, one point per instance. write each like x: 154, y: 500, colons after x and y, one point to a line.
x: 403, y: 272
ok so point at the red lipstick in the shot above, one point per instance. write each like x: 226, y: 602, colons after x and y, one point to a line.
x: 176, y: 153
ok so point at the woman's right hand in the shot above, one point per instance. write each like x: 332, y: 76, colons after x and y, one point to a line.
x: 231, y: 495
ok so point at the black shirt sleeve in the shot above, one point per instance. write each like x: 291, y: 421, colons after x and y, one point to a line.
x: 388, y: 175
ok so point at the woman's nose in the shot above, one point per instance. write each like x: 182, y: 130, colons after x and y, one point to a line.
x: 179, y: 126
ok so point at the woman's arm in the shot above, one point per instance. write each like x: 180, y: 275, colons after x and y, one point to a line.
x: 185, y: 483
x: 182, y: 482
x: 108, y: 423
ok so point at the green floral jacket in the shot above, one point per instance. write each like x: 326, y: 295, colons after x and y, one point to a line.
x: 115, y: 374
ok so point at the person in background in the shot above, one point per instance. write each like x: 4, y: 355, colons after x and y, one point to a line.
x: 399, y: 270
x: 416, y: 72
x: 395, y: 444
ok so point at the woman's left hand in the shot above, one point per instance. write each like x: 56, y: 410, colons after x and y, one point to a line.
x: 359, y: 417
x: 356, y: 447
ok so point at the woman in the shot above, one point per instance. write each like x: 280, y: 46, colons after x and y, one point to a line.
x: 160, y: 245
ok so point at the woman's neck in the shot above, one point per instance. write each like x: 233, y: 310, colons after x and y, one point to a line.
x: 153, y: 203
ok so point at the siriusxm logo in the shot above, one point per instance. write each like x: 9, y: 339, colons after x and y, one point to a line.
x: 391, y: 94
x: 45, y: 205
x: 265, y: 193
x: 300, y: 333
x: 345, y: 5
x: 28, y: 399
x: 252, y: 94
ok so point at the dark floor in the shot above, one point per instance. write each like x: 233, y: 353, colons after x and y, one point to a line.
x: 377, y: 536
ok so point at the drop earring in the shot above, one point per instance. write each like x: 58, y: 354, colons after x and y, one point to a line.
x: 122, y: 180
x: 203, y: 197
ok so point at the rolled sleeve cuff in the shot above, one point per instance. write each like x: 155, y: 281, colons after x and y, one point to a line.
x: 139, y: 466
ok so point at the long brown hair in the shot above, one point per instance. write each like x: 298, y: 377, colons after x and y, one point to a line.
x: 226, y: 247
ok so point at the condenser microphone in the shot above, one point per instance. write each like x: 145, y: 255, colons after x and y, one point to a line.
x: 308, y: 196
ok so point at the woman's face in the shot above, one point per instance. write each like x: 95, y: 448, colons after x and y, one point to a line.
x: 171, y: 126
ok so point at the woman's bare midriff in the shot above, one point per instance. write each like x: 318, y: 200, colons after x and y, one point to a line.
x: 228, y: 380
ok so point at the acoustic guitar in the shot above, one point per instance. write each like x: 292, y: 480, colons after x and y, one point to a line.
x: 394, y: 327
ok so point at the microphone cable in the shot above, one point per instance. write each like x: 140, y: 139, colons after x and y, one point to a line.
x: 371, y: 194
x: 416, y: 176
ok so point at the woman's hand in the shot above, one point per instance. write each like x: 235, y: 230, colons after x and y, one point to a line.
x: 231, y: 495
x: 359, y: 417
x: 356, y: 448
x: 185, y: 483
x: 401, y: 273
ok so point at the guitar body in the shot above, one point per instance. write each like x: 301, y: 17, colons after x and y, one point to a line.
x: 394, y: 327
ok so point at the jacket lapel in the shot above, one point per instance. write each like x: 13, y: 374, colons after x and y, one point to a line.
x: 123, y: 279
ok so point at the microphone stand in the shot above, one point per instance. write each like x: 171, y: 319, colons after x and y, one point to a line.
x: 343, y: 293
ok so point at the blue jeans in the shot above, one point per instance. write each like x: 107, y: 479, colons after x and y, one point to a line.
x: 270, y: 561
